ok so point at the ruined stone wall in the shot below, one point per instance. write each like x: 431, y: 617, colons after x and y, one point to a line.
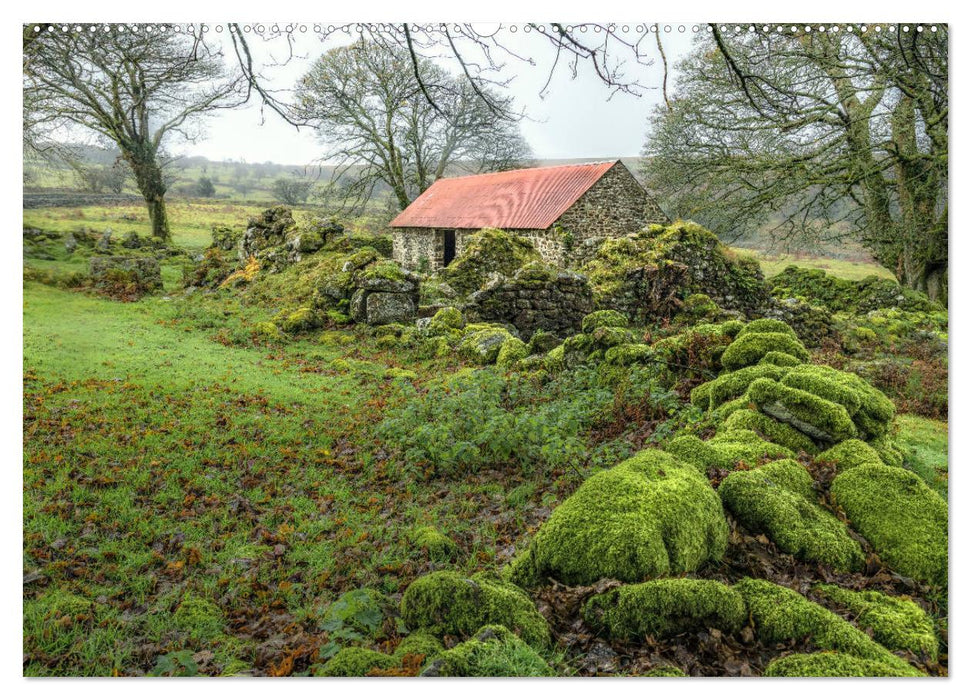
x: 535, y: 298
x: 615, y: 206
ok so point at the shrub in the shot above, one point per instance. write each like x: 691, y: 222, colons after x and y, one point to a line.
x: 664, y: 608
x: 777, y: 499
x: 493, y: 652
x: 781, y: 615
x: 829, y: 664
x: 648, y: 516
x: 445, y: 602
x: 897, y: 623
x: 900, y: 515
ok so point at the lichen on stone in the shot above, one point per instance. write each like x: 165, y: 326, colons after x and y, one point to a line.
x: 665, y: 607
x: 651, y: 515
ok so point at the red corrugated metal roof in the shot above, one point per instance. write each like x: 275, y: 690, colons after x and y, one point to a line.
x: 514, y: 199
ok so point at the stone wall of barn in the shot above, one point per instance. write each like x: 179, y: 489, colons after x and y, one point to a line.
x: 614, y: 206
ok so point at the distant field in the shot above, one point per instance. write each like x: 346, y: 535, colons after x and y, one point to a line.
x: 773, y: 264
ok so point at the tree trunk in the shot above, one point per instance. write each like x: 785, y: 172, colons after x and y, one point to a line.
x: 148, y: 177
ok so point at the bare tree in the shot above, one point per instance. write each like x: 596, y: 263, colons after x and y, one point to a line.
x: 132, y: 86
x: 839, y: 134
x: 291, y: 190
x: 371, y: 110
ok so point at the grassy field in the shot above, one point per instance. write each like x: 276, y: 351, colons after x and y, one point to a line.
x: 195, y: 496
x: 773, y: 264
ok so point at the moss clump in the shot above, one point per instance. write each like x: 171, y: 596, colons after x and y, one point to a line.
x: 778, y: 500
x: 726, y: 450
x: 780, y: 615
x: 493, y: 652
x: 354, y: 662
x: 199, y: 617
x: 446, y: 321
x: 822, y: 420
x: 445, y: 602
x: 628, y: 354
x: 664, y: 608
x: 770, y: 429
x: 665, y: 672
x: 605, y: 318
x: 485, y: 253
x: 900, y: 515
x: 897, y: 623
x: 651, y: 515
x: 438, y: 546
x: 850, y: 454
x: 418, y: 644
x: 303, y: 319
x: 780, y: 359
x: 829, y: 664
x: 768, y: 325
x: 698, y: 307
x: 872, y: 412
x: 267, y: 331
x: 890, y: 454
x: 511, y: 352
x: 732, y: 385
x: 749, y: 348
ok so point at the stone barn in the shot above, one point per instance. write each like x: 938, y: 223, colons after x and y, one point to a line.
x: 566, y: 212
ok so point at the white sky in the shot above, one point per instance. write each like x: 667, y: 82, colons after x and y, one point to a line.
x: 575, y: 118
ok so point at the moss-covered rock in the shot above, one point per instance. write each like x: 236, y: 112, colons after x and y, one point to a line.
x: 267, y: 331
x: 900, y: 515
x: 769, y: 429
x: 778, y: 499
x: 445, y: 602
x: 486, y: 253
x: 855, y: 296
x: 628, y: 354
x: 780, y: 359
x: 482, y: 342
x: 822, y: 420
x: 830, y: 664
x: 849, y: 454
x: 749, y: 348
x: 438, y: 546
x: 732, y: 385
x: 665, y: 672
x: 726, y: 450
x: 605, y: 318
x: 897, y: 623
x: 446, y: 321
x: 493, y: 652
x: 768, y: 325
x: 419, y: 643
x: 355, y: 662
x: 781, y: 615
x: 299, y: 320
x: 665, y: 607
x: 651, y: 515
x: 511, y: 352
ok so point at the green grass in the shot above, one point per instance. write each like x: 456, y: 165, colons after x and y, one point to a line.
x: 924, y: 443
x: 169, y: 457
x: 773, y: 264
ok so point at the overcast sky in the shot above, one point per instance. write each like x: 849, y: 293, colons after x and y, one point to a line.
x: 575, y: 118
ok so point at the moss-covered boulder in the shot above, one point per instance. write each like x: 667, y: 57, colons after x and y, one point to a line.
x: 421, y: 644
x: 649, y: 516
x: 486, y: 253
x: 732, y: 385
x: 664, y: 608
x: 727, y: 450
x: 493, y: 652
x: 769, y: 429
x: 897, y: 623
x: 900, y: 515
x: 849, y: 454
x: 511, y: 352
x: 854, y: 296
x: 822, y: 420
x: 605, y: 318
x: 481, y: 343
x: 780, y: 614
x: 438, y: 546
x: 777, y: 499
x: 831, y: 664
x: 445, y: 602
x: 749, y: 348
x: 355, y: 662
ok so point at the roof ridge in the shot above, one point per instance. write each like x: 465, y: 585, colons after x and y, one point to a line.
x: 542, y: 167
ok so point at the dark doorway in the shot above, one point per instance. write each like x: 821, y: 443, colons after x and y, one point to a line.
x: 449, y: 253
